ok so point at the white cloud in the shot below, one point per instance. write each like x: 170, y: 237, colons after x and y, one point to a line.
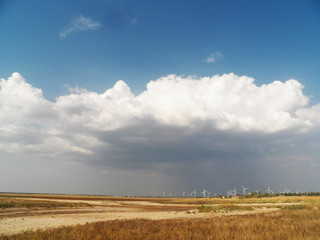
x: 79, y: 24
x: 21, y: 103
x: 181, y: 121
x: 226, y: 102
x: 213, y: 57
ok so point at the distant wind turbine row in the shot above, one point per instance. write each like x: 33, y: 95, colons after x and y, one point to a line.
x: 230, y: 193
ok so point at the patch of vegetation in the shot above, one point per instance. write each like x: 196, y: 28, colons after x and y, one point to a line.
x: 23, y: 203
x: 204, y: 208
x: 223, y: 208
x: 295, y: 207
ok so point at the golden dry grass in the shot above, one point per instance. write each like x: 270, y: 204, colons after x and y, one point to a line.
x: 285, y: 224
x: 10, y: 202
x: 193, y: 201
x: 291, y: 222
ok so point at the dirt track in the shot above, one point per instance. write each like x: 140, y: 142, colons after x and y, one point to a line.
x: 18, y: 220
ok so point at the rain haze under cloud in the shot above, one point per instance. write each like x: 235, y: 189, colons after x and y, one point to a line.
x: 181, y: 133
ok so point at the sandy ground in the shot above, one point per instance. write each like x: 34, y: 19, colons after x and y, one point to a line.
x: 18, y: 220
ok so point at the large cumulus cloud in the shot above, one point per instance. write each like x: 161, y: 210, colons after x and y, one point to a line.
x: 178, y: 125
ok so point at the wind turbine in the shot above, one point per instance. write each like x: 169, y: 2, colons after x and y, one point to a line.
x: 183, y: 193
x: 235, y: 192
x: 204, y: 193
x: 287, y: 190
x: 269, y: 191
x: 244, y: 189
x: 194, y: 193
x: 229, y: 193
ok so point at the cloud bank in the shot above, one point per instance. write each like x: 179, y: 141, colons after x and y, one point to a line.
x: 79, y: 24
x: 187, y: 128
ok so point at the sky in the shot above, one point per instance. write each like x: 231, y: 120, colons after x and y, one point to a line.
x: 140, y: 97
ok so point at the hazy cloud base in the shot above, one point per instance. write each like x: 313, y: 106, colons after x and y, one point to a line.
x: 181, y: 133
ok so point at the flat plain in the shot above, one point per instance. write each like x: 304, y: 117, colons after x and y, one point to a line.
x: 43, y: 216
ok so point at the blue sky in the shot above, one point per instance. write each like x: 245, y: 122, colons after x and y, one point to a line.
x: 139, y: 41
x: 213, y: 94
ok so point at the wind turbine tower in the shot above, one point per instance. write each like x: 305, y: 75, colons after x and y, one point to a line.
x: 194, y: 193
x: 269, y: 191
x: 244, y: 189
x: 287, y: 191
x: 229, y: 193
x: 204, y: 193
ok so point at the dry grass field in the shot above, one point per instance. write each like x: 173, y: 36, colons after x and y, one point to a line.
x: 97, y: 217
